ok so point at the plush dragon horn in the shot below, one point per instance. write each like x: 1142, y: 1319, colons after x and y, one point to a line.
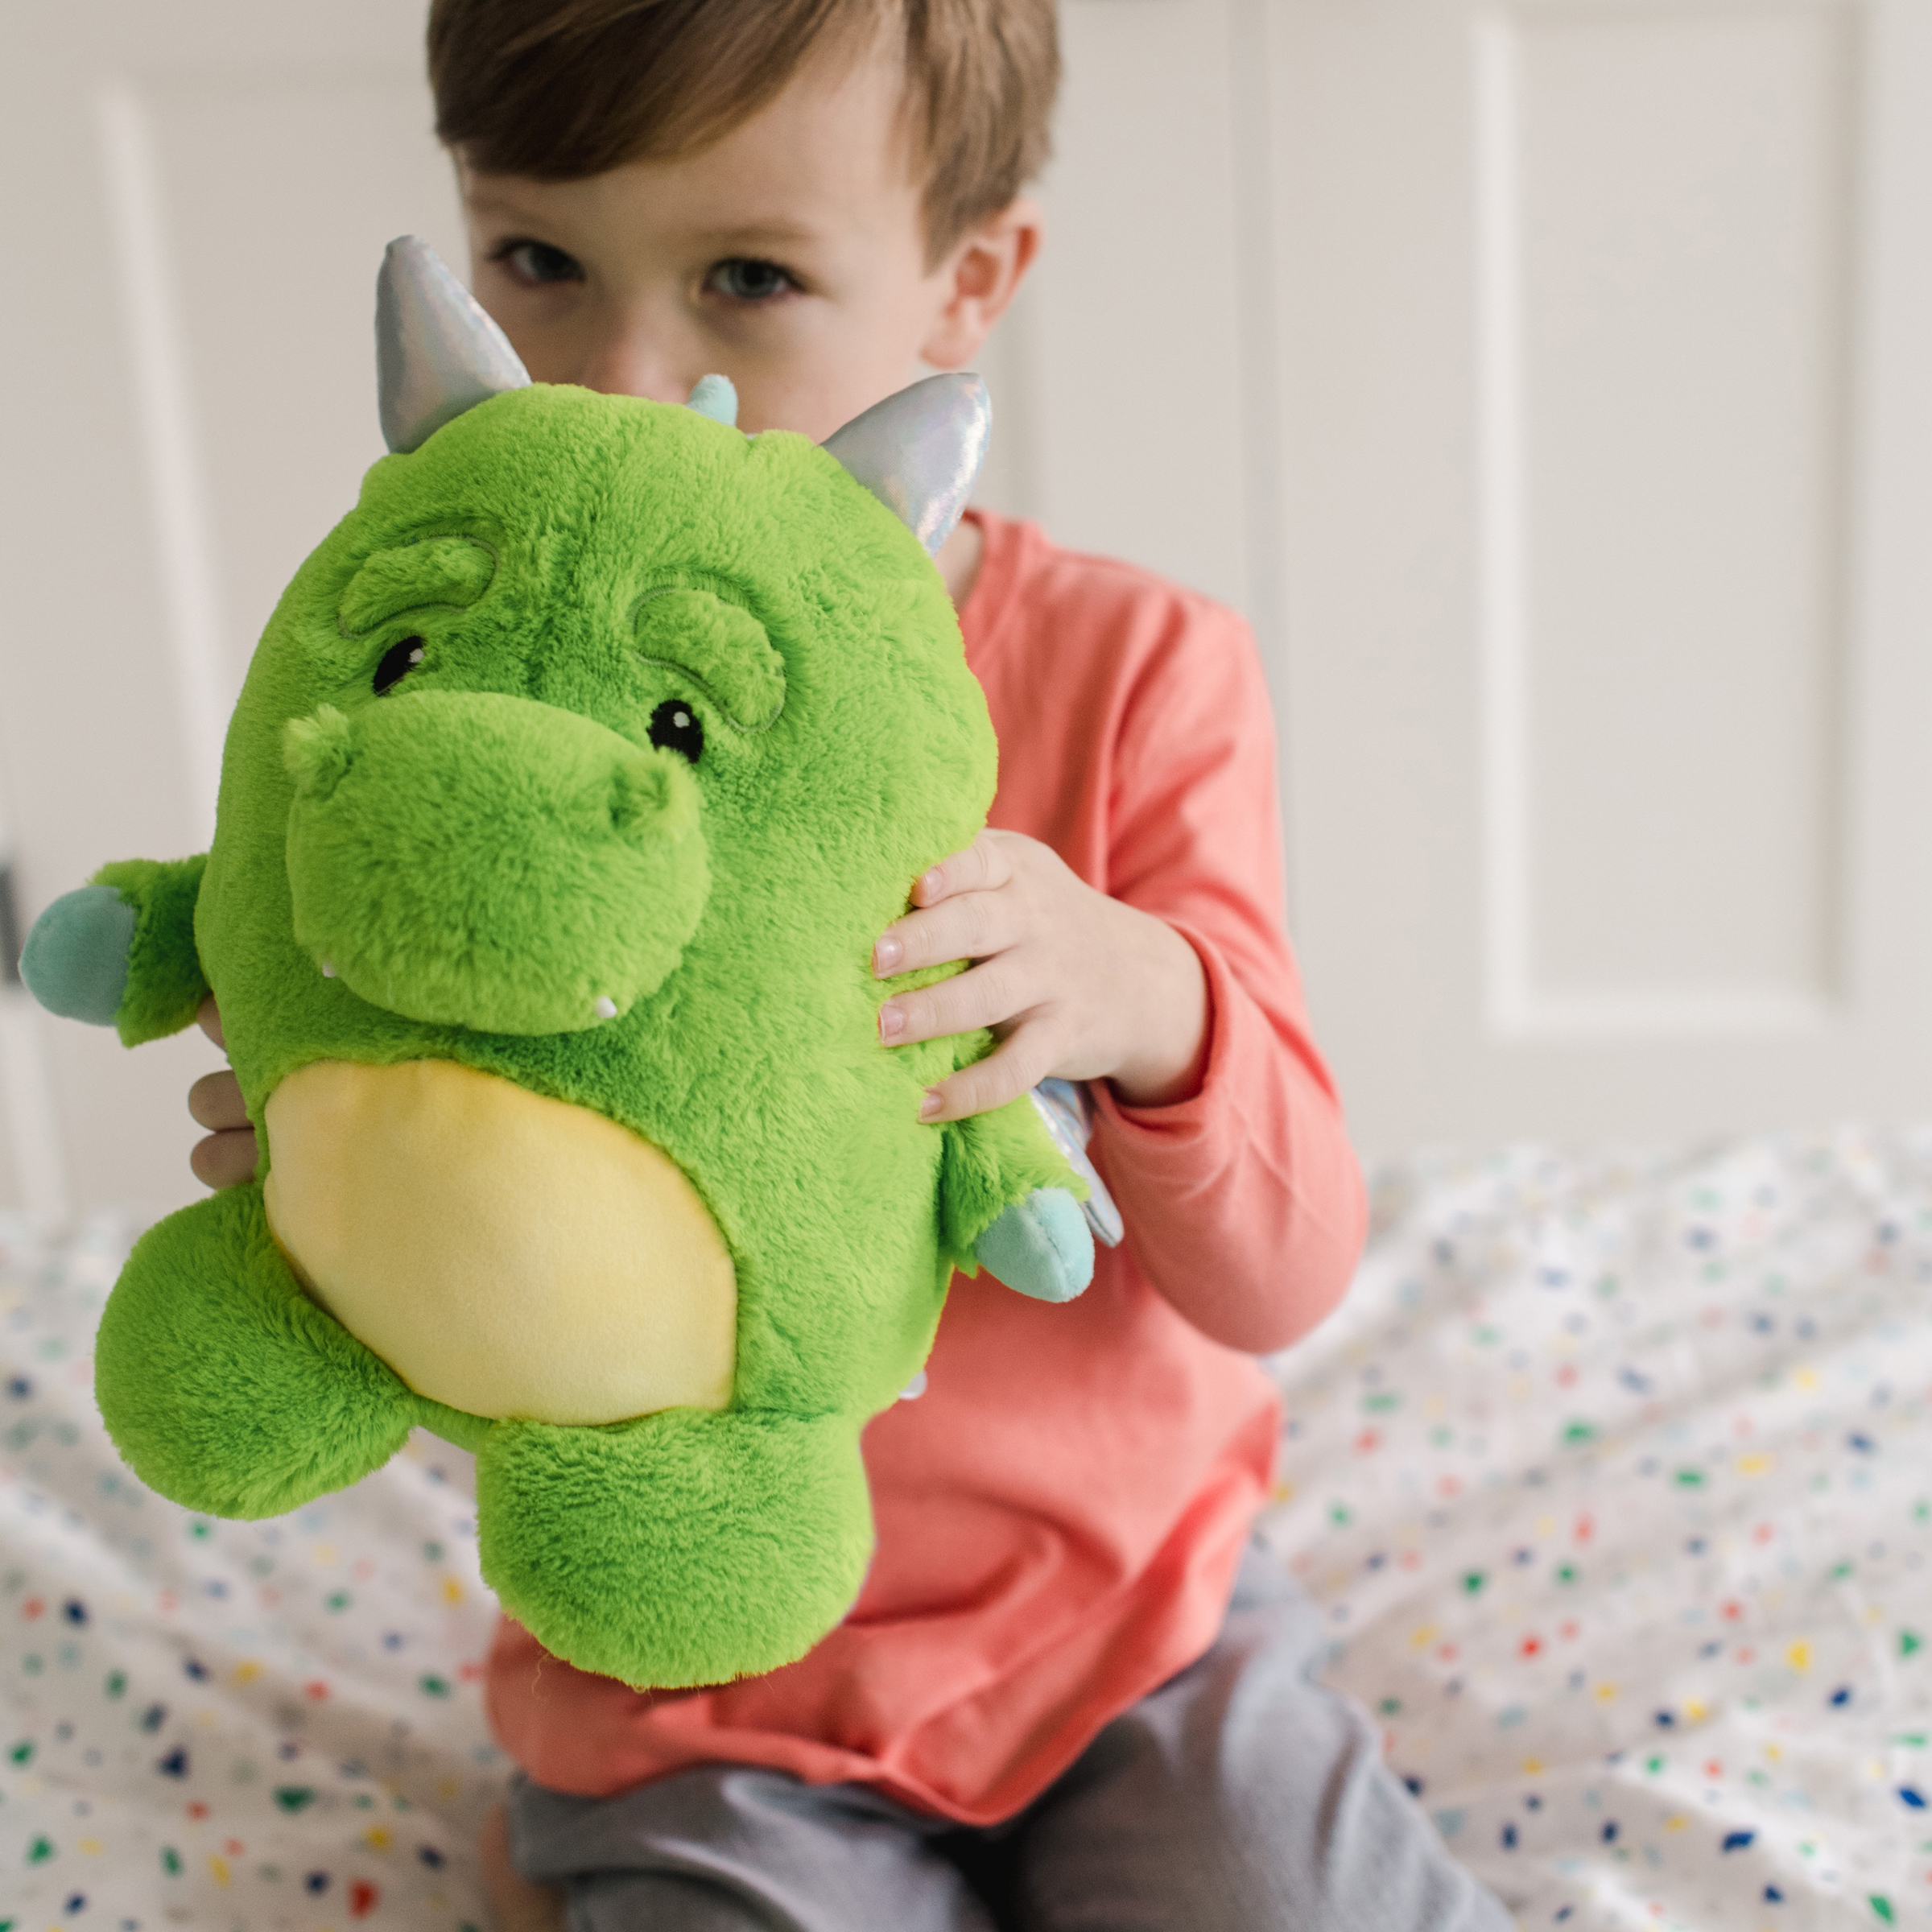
x: 437, y: 353
x: 919, y: 451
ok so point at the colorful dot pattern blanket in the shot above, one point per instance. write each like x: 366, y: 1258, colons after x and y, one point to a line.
x: 222, y: 1727
x: 1613, y: 1477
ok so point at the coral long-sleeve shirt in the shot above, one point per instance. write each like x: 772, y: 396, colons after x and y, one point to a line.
x: 1059, y: 1516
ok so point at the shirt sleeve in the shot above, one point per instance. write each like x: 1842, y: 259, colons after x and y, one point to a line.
x: 1244, y: 1203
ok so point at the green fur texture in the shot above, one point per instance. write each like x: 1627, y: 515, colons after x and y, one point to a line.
x: 165, y: 982
x: 755, y: 1514
x: 458, y: 779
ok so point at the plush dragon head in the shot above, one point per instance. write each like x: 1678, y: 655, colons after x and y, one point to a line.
x: 572, y: 779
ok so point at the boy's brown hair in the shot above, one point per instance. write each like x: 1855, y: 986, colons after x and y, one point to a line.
x: 560, y: 89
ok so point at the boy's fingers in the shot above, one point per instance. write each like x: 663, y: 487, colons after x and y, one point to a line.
x: 214, y: 1101
x: 1022, y: 1062
x: 968, y: 927
x: 983, y: 997
x: 982, y: 867
x: 225, y: 1160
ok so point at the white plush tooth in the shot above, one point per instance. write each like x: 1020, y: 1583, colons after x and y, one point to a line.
x: 605, y: 1007
x: 328, y: 972
x: 914, y: 1388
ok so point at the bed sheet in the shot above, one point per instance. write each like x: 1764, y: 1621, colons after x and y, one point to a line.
x: 222, y: 1727
x: 1613, y: 1477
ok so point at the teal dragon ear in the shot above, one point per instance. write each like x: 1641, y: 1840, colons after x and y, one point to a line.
x: 716, y: 396
x: 437, y: 353
x: 919, y: 451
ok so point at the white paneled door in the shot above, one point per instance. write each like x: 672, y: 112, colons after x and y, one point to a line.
x: 1606, y: 452
x: 1548, y: 381
x: 1551, y: 382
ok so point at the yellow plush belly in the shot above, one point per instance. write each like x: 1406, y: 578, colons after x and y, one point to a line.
x: 505, y: 1253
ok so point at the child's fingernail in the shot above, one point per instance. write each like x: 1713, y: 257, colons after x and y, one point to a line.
x: 886, y: 955
x: 932, y: 1104
x: 892, y: 1022
x: 930, y: 884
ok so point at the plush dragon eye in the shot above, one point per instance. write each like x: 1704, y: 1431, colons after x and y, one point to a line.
x: 674, y: 727
x: 398, y: 661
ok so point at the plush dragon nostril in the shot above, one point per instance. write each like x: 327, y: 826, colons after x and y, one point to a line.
x: 317, y: 751
x: 640, y: 796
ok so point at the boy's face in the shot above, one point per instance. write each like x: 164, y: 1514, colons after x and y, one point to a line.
x: 790, y: 256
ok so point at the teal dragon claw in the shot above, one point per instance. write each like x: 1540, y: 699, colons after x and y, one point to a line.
x: 1040, y: 1247
x: 75, y: 960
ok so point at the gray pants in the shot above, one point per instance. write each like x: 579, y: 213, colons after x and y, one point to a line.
x: 1239, y: 1797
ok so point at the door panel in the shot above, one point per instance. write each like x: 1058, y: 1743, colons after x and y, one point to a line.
x: 1605, y: 471
x: 1666, y: 206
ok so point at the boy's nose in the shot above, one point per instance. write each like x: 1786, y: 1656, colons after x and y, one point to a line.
x: 626, y: 353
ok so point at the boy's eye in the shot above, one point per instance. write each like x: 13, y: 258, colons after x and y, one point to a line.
x: 537, y: 263
x: 398, y: 661
x: 674, y: 727
x: 745, y: 279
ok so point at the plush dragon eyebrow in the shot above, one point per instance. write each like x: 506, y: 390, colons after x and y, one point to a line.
x: 718, y: 643
x: 450, y: 571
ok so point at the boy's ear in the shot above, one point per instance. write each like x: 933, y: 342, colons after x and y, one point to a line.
x: 983, y: 273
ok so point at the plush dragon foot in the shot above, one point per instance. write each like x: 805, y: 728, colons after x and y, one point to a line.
x: 1041, y: 1247
x: 223, y: 1385
x: 686, y: 1547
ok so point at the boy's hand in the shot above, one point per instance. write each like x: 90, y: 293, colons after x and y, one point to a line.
x: 227, y: 1158
x: 1074, y: 984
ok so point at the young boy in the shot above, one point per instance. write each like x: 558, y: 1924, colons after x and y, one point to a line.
x: 1067, y: 1674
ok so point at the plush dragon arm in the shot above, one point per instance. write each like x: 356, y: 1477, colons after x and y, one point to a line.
x: 1008, y: 1204
x: 120, y: 951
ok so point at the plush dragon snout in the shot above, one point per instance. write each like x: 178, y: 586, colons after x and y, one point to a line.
x: 472, y: 860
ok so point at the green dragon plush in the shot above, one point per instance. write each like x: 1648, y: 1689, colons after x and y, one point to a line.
x: 571, y: 780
